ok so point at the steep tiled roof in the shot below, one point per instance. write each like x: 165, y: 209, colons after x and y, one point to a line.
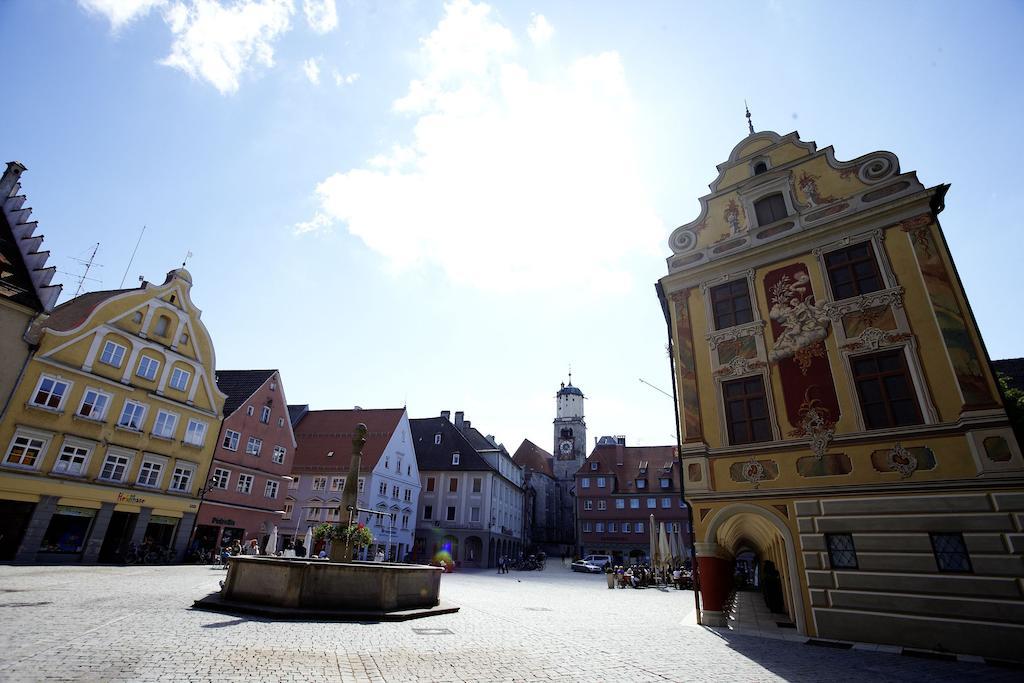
x: 433, y: 456
x: 324, y: 438
x: 625, y: 463
x: 73, y: 313
x: 297, y: 412
x: 239, y: 385
x: 1013, y: 368
x: 532, y: 456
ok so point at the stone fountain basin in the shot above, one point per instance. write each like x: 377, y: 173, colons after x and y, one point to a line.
x: 305, y: 588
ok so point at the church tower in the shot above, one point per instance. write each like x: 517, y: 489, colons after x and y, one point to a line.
x: 570, y: 443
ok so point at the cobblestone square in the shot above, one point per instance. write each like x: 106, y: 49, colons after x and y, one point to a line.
x: 136, y: 624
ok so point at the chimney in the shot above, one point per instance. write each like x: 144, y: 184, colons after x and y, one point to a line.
x: 467, y: 424
x: 446, y: 414
x: 459, y: 415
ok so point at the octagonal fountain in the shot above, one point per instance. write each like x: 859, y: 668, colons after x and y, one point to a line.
x: 341, y: 589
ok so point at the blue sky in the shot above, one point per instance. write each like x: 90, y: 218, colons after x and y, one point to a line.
x: 446, y: 205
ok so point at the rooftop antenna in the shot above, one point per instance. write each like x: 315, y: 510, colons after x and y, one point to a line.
x: 570, y: 374
x: 643, y: 381
x: 89, y: 264
x: 750, y: 124
x: 143, y: 232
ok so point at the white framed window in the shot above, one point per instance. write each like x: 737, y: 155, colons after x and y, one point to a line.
x: 394, y: 492
x: 115, y: 466
x: 270, y: 490
x: 588, y: 505
x: 675, y: 527
x: 612, y: 527
x: 113, y: 354
x: 451, y: 513
x: 666, y: 503
x: 333, y: 514
x: 253, y: 446
x: 294, y: 483
x: 231, y: 438
x: 455, y: 458
x: 601, y: 482
x: 165, y: 424
x: 408, y: 496
x: 585, y: 482
x: 73, y: 459
x: 265, y: 415
x: 634, y: 503
x: 279, y: 454
x: 249, y: 411
x: 478, y: 484
x: 587, y: 527
x: 245, y: 483
x: 474, y: 514
x: 50, y: 392
x: 132, y: 415
x: 383, y: 488
x: 641, y: 483
x: 405, y: 521
x: 600, y: 527
x: 220, y: 479
x: 280, y: 422
x: 179, y: 379
x: 665, y: 482
x: 195, y: 433
x: 627, y: 528
x: 181, y: 480
x: 602, y: 505
x: 313, y: 513
x: 319, y: 483
x: 94, y: 404
x: 620, y: 504
x: 652, y: 503
x: 288, y: 507
x: 337, y: 483
x: 151, y: 471
x: 148, y: 367
x: 593, y: 467
x: 437, y: 439
x: 639, y: 528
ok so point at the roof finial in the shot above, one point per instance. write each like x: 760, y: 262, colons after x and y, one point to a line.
x: 570, y: 374
x: 750, y: 124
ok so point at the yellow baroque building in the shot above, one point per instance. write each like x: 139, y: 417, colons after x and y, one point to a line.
x: 110, y: 431
x: 840, y: 426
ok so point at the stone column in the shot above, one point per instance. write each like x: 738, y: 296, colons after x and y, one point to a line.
x: 141, y: 522
x: 36, y: 528
x: 181, y: 536
x: 99, y: 531
x: 714, y: 566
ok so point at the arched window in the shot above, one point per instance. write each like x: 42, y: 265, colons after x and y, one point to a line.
x: 770, y: 209
x: 760, y: 167
x: 162, y: 325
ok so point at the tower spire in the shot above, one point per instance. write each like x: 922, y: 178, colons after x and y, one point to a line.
x: 750, y: 124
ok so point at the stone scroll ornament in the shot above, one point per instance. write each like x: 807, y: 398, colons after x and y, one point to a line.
x: 901, y: 460
x: 800, y: 326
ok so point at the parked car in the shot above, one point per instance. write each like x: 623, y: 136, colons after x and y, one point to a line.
x: 600, y: 560
x: 587, y: 566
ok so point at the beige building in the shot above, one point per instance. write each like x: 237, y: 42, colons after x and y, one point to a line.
x: 111, y: 429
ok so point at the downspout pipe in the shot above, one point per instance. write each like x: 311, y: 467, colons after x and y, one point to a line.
x: 679, y: 448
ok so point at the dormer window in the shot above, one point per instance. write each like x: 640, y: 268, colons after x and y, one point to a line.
x: 437, y: 439
x: 455, y: 458
x: 593, y: 467
x: 770, y: 209
x: 760, y: 167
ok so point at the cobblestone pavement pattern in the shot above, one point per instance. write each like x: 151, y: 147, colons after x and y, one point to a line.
x: 135, y: 623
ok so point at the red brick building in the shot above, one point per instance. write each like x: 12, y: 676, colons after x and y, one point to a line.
x: 246, y: 488
x: 618, y: 488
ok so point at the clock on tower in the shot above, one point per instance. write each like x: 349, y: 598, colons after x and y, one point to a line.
x: 565, y: 449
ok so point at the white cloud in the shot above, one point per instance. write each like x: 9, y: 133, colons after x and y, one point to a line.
x: 218, y: 43
x: 120, y: 12
x: 540, y: 29
x: 344, y: 79
x: 321, y: 15
x: 511, y: 181
x: 312, y: 70
x: 319, y: 223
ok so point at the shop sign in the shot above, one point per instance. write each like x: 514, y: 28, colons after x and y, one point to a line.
x: 223, y: 520
x: 74, y: 512
x: 160, y: 519
x: 123, y: 497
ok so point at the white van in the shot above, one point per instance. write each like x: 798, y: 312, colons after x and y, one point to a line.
x: 601, y: 560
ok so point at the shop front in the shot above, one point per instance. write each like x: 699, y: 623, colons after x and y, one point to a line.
x: 66, y: 534
x: 221, y: 525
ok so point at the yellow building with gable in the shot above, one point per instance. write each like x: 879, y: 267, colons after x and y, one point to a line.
x: 110, y: 432
x: 840, y: 426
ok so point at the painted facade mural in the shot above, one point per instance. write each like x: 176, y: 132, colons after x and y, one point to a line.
x: 799, y: 326
x: 686, y: 368
x: 962, y: 351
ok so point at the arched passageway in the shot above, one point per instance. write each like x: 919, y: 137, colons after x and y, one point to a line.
x: 760, y: 537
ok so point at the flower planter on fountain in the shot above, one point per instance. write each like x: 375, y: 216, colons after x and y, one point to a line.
x: 339, y: 589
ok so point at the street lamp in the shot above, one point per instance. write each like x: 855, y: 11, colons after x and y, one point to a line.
x: 195, y: 520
